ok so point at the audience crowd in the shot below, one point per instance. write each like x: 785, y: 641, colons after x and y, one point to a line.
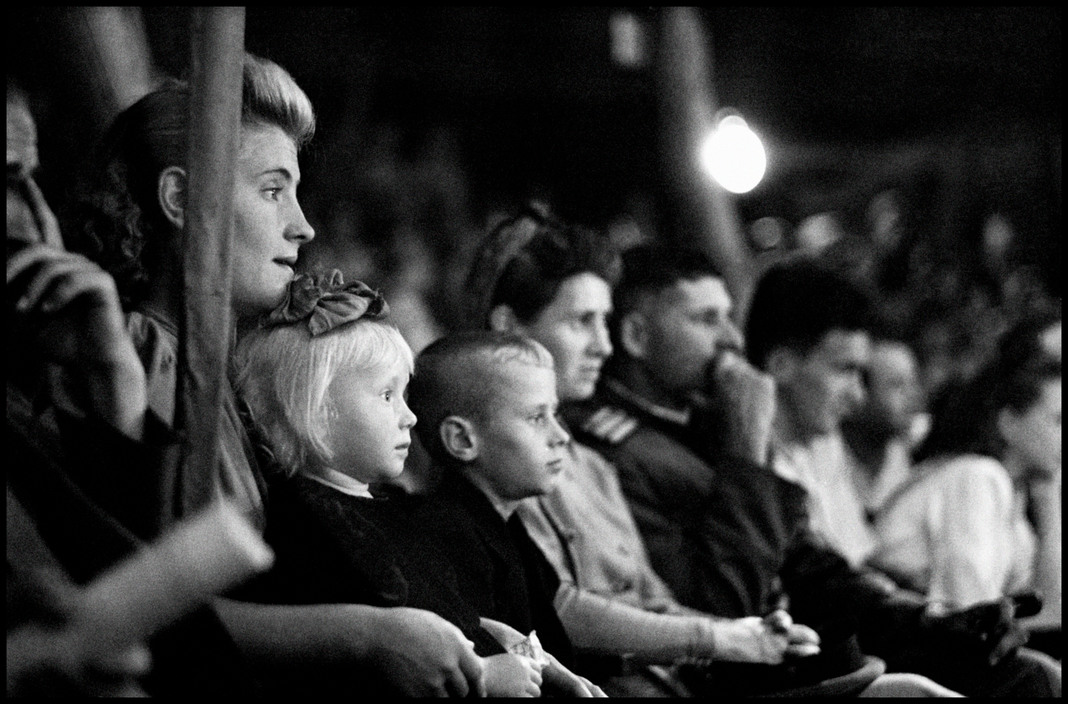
x: 524, y: 457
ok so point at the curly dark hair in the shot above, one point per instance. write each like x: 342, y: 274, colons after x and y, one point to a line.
x: 116, y: 216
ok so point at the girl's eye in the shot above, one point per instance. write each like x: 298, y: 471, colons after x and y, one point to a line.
x: 387, y: 395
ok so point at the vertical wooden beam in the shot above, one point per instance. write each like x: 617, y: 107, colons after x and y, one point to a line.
x: 707, y: 215
x: 214, y: 134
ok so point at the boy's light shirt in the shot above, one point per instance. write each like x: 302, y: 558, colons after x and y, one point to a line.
x: 342, y: 482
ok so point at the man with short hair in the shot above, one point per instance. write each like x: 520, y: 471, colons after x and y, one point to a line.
x: 729, y: 535
x: 879, y: 436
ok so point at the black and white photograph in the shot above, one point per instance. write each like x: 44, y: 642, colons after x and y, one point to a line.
x: 500, y: 351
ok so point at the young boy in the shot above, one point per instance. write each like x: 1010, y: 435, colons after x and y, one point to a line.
x: 487, y: 407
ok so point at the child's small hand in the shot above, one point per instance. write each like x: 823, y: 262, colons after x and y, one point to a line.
x: 509, y: 675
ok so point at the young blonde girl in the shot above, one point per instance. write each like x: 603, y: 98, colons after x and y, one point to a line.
x: 323, y: 379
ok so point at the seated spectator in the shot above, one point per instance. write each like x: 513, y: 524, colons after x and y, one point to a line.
x: 553, y: 283
x: 732, y: 537
x: 325, y: 378
x: 63, y: 315
x: 132, y: 214
x: 959, y: 532
x: 487, y: 404
x: 880, y: 435
x: 810, y: 329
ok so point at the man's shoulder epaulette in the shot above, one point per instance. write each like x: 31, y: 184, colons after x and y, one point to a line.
x: 610, y: 424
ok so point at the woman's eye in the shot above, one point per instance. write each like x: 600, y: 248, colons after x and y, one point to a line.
x: 272, y: 193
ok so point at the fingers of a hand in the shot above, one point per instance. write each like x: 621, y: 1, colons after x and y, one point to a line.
x: 472, y: 671
x: 46, y: 219
x: 779, y: 621
x: 30, y: 256
x: 46, y: 277
x: 133, y: 661
x: 456, y: 684
x: 90, y: 284
x: 800, y: 633
x: 802, y: 650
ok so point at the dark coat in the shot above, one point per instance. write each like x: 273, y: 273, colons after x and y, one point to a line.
x: 329, y: 548
x: 732, y: 538
x: 499, y: 569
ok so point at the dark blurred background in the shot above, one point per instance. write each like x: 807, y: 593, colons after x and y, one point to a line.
x: 921, y: 147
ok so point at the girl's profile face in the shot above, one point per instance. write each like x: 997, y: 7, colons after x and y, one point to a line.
x: 370, y: 429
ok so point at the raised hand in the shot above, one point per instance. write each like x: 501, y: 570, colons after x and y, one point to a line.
x: 741, y: 406
x: 70, y: 309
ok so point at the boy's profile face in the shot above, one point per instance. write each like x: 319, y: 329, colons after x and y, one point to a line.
x: 521, y: 444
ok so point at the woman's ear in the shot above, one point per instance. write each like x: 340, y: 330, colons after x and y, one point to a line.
x: 459, y: 438
x: 634, y: 335
x: 171, y: 193
x: 503, y: 319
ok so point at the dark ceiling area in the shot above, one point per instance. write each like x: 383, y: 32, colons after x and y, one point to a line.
x: 849, y: 100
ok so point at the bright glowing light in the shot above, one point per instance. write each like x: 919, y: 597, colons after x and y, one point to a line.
x: 734, y: 156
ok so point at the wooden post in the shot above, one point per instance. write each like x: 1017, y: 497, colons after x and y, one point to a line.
x: 707, y: 215
x: 206, y: 328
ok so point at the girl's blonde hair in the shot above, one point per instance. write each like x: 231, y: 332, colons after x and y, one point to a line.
x: 283, y: 374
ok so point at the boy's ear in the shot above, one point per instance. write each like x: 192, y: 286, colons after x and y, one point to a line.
x: 503, y: 319
x: 171, y: 191
x: 634, y: 335
x: 459, y: 438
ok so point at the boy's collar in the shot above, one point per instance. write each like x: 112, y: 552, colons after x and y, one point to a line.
x: 504, y: 507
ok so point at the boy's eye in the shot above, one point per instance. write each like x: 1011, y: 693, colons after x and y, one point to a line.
x: 387, y: 395
x: 540, y: 418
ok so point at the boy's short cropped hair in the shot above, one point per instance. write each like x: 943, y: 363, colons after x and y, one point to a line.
x: 459, y: 374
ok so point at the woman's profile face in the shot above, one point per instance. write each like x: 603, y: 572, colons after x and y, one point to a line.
x: 574, y: 327
x: 269, y: 225
x: 1035, y: 434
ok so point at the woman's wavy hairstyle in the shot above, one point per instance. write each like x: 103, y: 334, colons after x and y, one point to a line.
x: 118, y: 221
x: 524, y: 260
x: 283, y: 375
